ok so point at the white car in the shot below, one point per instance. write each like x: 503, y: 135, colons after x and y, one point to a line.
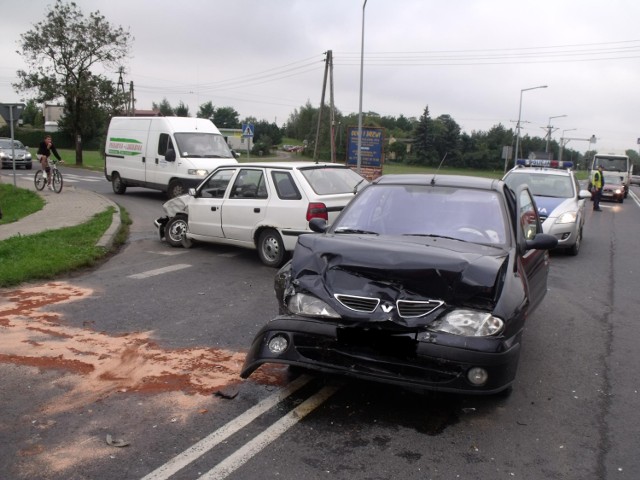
x: 263, y: 206
x: 558, y: 196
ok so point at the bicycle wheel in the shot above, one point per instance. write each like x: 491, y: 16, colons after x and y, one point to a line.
x: 40, y: 180
x: 57, y: 181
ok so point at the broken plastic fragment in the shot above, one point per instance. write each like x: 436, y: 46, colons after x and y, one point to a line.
x: 116, y: 443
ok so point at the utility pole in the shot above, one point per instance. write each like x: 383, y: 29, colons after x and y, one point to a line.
x: 328, y: 61
x: 131, y: 110
x: 550, y: 130
x: 332, y: 114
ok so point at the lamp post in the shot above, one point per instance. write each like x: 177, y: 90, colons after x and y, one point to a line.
x: 359, y: 162
x: 549, y: 127
x: 562, y: 142
x: 515, y: 158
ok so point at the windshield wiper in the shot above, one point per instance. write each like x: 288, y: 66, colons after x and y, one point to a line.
x: 354, y: 230
x: 431, y: 235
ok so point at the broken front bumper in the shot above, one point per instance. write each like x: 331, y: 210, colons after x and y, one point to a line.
x: 429, y: 361
x: 160, y: 224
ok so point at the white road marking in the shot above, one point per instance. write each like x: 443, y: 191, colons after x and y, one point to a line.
x: 160, y: 271
x: 634, y: 197
x: 203, y: 446
x: 250, y: 449
x: 172, y: 252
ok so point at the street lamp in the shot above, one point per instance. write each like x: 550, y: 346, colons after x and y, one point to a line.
x: 549, y: 127
x: 562, y: 142
x: 359, y: 162
x: 520, y: 115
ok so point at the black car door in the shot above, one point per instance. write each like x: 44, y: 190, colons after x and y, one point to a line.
x: 535, y: 263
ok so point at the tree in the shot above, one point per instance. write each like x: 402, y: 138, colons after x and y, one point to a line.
x: 226, y: 117
x: 206, y: 110
x: 164, y: 107
x: 61, y: 52
x: 182, y: 110
x: 30, y: 113
x: 424, y: 132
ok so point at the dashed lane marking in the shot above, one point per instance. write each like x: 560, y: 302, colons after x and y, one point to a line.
x: 251, y: 448
x: 210, y: 441
x: 159, y: 271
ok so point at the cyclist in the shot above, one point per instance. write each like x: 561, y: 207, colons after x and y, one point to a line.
x: 45, y: 150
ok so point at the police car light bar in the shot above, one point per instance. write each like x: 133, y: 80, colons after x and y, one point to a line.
x: 540, y: 162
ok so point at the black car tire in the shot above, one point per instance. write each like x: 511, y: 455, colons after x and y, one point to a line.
x: 175, y: 230
x: 117, y: 184
x: 271, y: 248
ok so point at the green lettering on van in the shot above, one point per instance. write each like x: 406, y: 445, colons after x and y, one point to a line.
x: 124, y: 146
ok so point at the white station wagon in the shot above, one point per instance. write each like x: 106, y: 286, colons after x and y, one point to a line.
x: 263, y: 206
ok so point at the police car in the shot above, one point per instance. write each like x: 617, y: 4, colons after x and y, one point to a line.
x: 558, y: 196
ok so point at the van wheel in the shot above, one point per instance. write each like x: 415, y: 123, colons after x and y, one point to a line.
x: 118, y: 185
x: 271, y: 248
x: 176, y: 188
x: 176, y: 230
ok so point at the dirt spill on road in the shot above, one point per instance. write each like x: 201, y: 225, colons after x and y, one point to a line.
x: 177, y: 383
x: 104, y: 364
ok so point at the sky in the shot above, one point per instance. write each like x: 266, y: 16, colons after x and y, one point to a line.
x: 478, y: 61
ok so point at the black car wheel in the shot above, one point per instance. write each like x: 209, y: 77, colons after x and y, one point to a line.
x: 271, y: 248
x: 176, y: 230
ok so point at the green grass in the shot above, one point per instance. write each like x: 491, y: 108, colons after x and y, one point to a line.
x: 17, y: 203
x: 48, y: 254
x: 91, y: 159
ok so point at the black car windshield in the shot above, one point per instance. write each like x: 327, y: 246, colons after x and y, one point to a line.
x: 465, y: 214
x: 202, y: 145
x: 542, y: 184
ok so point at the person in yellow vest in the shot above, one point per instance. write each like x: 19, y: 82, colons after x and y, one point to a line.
x: 597, y: 183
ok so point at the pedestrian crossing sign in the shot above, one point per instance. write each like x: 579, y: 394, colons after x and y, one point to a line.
x: 247, y: 129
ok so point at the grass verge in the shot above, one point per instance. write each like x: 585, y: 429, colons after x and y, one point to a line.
x: 17, y: 203
x: 46, y: 255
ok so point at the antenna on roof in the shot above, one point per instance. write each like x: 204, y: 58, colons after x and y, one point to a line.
x: 433, y: 180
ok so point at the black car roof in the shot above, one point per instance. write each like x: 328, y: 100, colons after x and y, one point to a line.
x: 442, y: 181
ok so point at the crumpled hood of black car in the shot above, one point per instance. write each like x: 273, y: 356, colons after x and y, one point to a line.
x: 392, y: 268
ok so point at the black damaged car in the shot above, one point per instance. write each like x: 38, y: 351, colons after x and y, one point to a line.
x: 422, y: 281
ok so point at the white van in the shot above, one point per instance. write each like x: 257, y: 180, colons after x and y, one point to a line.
x: 171, y: 154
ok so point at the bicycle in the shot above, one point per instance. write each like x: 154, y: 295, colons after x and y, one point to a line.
x: 40, y: 179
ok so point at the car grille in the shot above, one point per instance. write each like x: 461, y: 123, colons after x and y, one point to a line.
x: 406, y: 308
x: 359, y: 304
x: 410, y: 308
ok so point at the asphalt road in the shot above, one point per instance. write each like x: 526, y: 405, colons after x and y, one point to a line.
x: 145, y: 350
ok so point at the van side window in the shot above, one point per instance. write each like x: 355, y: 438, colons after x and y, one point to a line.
x: 285, y: 186
x: 164, y: 144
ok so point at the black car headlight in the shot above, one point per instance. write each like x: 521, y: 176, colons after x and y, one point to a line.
x: 468, y: 323
x: 310, y: 306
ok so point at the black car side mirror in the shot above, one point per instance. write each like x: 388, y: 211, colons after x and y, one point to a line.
x: 318, y: 225
x: 542, y: 241
x: 170, y: 155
